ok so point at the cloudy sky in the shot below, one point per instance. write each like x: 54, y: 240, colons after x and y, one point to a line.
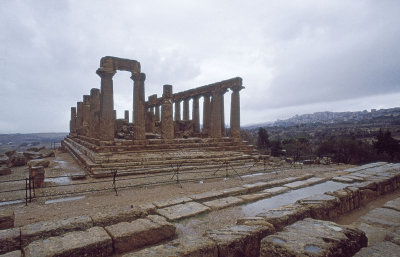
x: 295, y: 56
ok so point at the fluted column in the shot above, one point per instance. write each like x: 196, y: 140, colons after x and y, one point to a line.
x: 235, y: 112
x: 86, y: 115
x: 222, y: 114
x: 107, y: 120
x: 139, y: 110
x: 206, y: 114
x: 167, y: 122
x: 126, y: 115
x: 186, y: 109
x: 216, y: 113
x: 157, y: 112
x: 178, y: 110
x: 94, y: 123
x: 196, y: 115
x: 79, y: 111
x: 72, y: 123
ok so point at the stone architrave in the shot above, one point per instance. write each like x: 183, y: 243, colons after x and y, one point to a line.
x: 86, y: 115
x: 216, y: 112
x: 178, y: 110
x: 186, y: 109
x: 106, y: 118
x: 72, y: 123
x: 79, y: 117
x: 196, y: 115
x: 126, y: 115
x: 94, y: 123
x: 157, y: 112
x: 139, y: 110
x: 167, y: 123
x: 235, y: 111
x: 206, y: 114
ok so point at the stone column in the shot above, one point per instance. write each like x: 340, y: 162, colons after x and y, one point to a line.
x: 167, y: 122
x: 107, y: 120
x: 94, y: 124
x: 206, y: 114
x: 72, y: 123
x: 157, y: 112
x: 196, y: 115
x: 186, y: 109
x: 79, y: 117
x: 178, y: 110
x: 216, y: 113
x: 139, y: 110
x: 235, y: 112
x: 126, y: 116
x: 222, y: 114
x: 86, y: 115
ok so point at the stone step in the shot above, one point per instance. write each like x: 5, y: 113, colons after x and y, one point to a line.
x: 10, y: 240
x: 181, y: 211
x: 387, y: 249
x: 6, y: 218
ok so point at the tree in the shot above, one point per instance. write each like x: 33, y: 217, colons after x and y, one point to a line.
x: 263, y: 139
x: 386, y: 144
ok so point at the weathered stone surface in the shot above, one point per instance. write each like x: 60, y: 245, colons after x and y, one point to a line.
x: 383, y: 217
x: 44, y: 229
x: 46, y: 153
x: 321, y: 206
x: 285, y: 215
x: 394, y: 236
x: 10, y: 240
x: 162, y: 204
x: 393, y: 204
x: 254, y: 197
x: 16, y: 253
x: 233, y: 191
x: 147, y: 208
x: 256, y: 186
x: 374, y: 233
x: 223, y: 202
x: 275, y: 190
x: 311, y: 237
x: 256, y: 221
x: 110, y: 217
x: 92, y: 242
x: 31, y: 155
x: 181, y: 211
x: 4, y: 159
x: 4, y: 170
x: 206, y: 196
x: 39, y: 162
x: 128, y: 236
x: 381, y: 249
x: 239, y: 240
x: 17, y: 159
x: 304, y: 183
x: 343, y: 179
x: 10, y: 153
x: 6, y: 218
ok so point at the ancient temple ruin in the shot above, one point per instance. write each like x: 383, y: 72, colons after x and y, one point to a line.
x: 96, y: 135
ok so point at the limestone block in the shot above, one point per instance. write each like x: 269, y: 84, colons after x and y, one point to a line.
x: 10, y: 240
x: 92, y: 242
x: 383, y: 217
x: 393, y: 204
x: 128, y: 236
x: 39, y: 162
x: 206, y: 196
x: 107, y: 218
x: 374, y: 233
x: 256, y: 186
x: 223, y: 202
x: 44, y: 229
x: 17, y: 159
x: 321, y: 206
x: 31, y: 155
x: 343, y: 179
x: 4, y: 170
x: 4, y: 159
x: 275, y: 190
x: 233, y: 191
x: 254, y: 197
x: 304, y: 183
x: 311, y: 237
x: 6, y: 218
x: 285, y: 215
x: 147, y: 208
x: 394, y: 236
x: 181, y: 211
x: 239, y: 240
x: 256, y: 221
x: 16, y: 253
x: 162, y: 204
x: 385, y: 248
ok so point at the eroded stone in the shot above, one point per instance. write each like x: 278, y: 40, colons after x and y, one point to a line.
x: 180, y: 200
x: 110, y: 217
x: 10, y: 240
x: 223, y: 202
x: 385, y: 248
x: 181, y: 211
x: 6, y: 218
x: 383, y: 217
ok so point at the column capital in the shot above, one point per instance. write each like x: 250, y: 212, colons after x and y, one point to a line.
x: 138, y: 77
x: 105, y: 73
x: 236, y: 88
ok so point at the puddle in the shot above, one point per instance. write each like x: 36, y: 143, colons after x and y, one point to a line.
x: 65, y: 199
x: 11, y: 202
x: 59, y: 180
x: 312, y: 249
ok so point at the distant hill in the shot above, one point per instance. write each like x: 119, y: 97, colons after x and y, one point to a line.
x: 22, y: 141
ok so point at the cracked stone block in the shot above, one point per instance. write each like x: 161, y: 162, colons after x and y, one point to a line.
x: 311, y: 237
x: 223, y: 202
x: 44, y: 229
x: 10, y: 240
x: 385, y: 248
x: 6, y: 218
x: 128, y: 236
x: 181, y: 211
x: 92, y: 242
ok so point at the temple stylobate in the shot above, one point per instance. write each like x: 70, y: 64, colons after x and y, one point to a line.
x: 171, y: 121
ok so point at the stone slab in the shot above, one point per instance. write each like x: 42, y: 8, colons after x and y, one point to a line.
x: 275, y: 190
x: 206, y: 196
x: 322, y: 206
x: 394, y: 236
x: 129, y: 236
x: 304, y: 183
x: 233, y: 191
x: 386, y: 249
x: 181, y: 211
x: 10, y: 240
x: 311, y: 237
x: 6, y: 218
x: 393, y: 204
x: 375, y: 233
x: 4, y: 170
x: 107, y: 218
x: 223, y: 202
x: 254, y: 197
x: 92, y: 242
x: 343, y: 179
x: 44, y: 229
x: 187, y: 246
x: 170, y: 202
x: 16, y: 253
x: 285, y: 215
x: 383, y: 217
x: 256, y: 186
